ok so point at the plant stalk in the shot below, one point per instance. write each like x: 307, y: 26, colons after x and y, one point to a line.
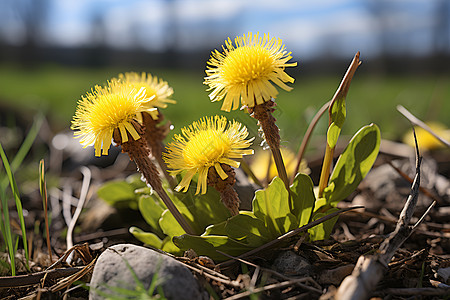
x: 341, y: 93
x: 139, y: 152
x: 307, y: 137
x: 263, y: 113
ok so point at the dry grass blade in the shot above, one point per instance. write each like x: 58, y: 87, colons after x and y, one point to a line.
x: 317, y: 288
x: 84, y: 190
x: 266, y: 288
x: 221, y: 279
x: 419, y: 291
x: 82, y: 250
x: 66, y: 282
x: 414, y: 120
x: 422, y: 189
x: 35, y: 278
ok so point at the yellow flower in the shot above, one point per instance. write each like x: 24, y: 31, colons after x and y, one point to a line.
x: 247, y: 70
x: 155, y: 88
x: 206, y: 143
x: 106, y: 108
x: 425, y: 139
x: 264, y: 167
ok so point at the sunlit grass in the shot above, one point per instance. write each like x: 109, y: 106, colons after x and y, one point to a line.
x: 9, y: 179
x: 55, y: 90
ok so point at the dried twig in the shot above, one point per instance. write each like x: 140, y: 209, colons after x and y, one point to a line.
x: 317, y: 288
x: 220, y: 279
x: 34, y: 278
x: 369, y: 270
x: 66, y: 282
x: 418, y: 291
x: 424, y: 190
x: 267, y: 288
x: 414, y: 120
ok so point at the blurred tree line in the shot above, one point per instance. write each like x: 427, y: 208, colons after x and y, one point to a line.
x: 34, y: 47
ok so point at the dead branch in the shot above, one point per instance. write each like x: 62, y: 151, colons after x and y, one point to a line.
x: 35, y: 278
x: 369, y: 270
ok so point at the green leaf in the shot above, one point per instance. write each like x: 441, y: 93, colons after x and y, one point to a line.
x: 286, y: 223
x: 201, y: 210
x: 148, y: 238
x: 323, y: 230
x: 353, y: 164
x: 169, y: 247
x: 271, y: 205
x: 248, y: 230
x: 117, y: 193
x: 207, y: 245
x: 338, y: 114
x: 216, y: 229
x: 169, y: 225
x: 151, y: 209
x: 319, y: 203
x: 303, y: 198
x: 135, y: 180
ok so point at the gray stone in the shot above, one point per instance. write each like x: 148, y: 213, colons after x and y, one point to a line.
x: 290, y: 263
x: 111, y: 270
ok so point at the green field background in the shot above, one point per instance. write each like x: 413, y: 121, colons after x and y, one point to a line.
x: 55, y: 91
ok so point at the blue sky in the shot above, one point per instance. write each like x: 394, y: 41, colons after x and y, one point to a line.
x: 308, y: 28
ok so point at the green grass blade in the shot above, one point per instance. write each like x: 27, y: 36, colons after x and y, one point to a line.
x: 25, y: 147
x: 43, y: 190
x: 6, y: 230
x: 27, y: 143
x: 15, y: 192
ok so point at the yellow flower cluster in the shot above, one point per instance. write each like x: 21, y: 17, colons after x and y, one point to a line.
x: 245, y: 73
x: 115, y: 106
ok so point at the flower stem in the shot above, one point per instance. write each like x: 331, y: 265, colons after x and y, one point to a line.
x: 139, y: 153
x: 154, y: 135
x: 144, y: 164
x: 341, y: 93
x: 326, y: 168
x: 278, y: 159
x: 263, y: 113
x: 307, y: 137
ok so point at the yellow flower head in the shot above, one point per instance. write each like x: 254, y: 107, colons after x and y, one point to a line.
x: 206, y: 143
x: 247, y: 70
x: 106, y: 108
x: 155, y: 88
x: 264, y: 167
x: 425, y: 139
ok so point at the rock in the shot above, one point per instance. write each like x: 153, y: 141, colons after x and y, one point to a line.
x: 336, y: 275
x: 292, y: 264
x: 111, y: 271
x: 444, y: 275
